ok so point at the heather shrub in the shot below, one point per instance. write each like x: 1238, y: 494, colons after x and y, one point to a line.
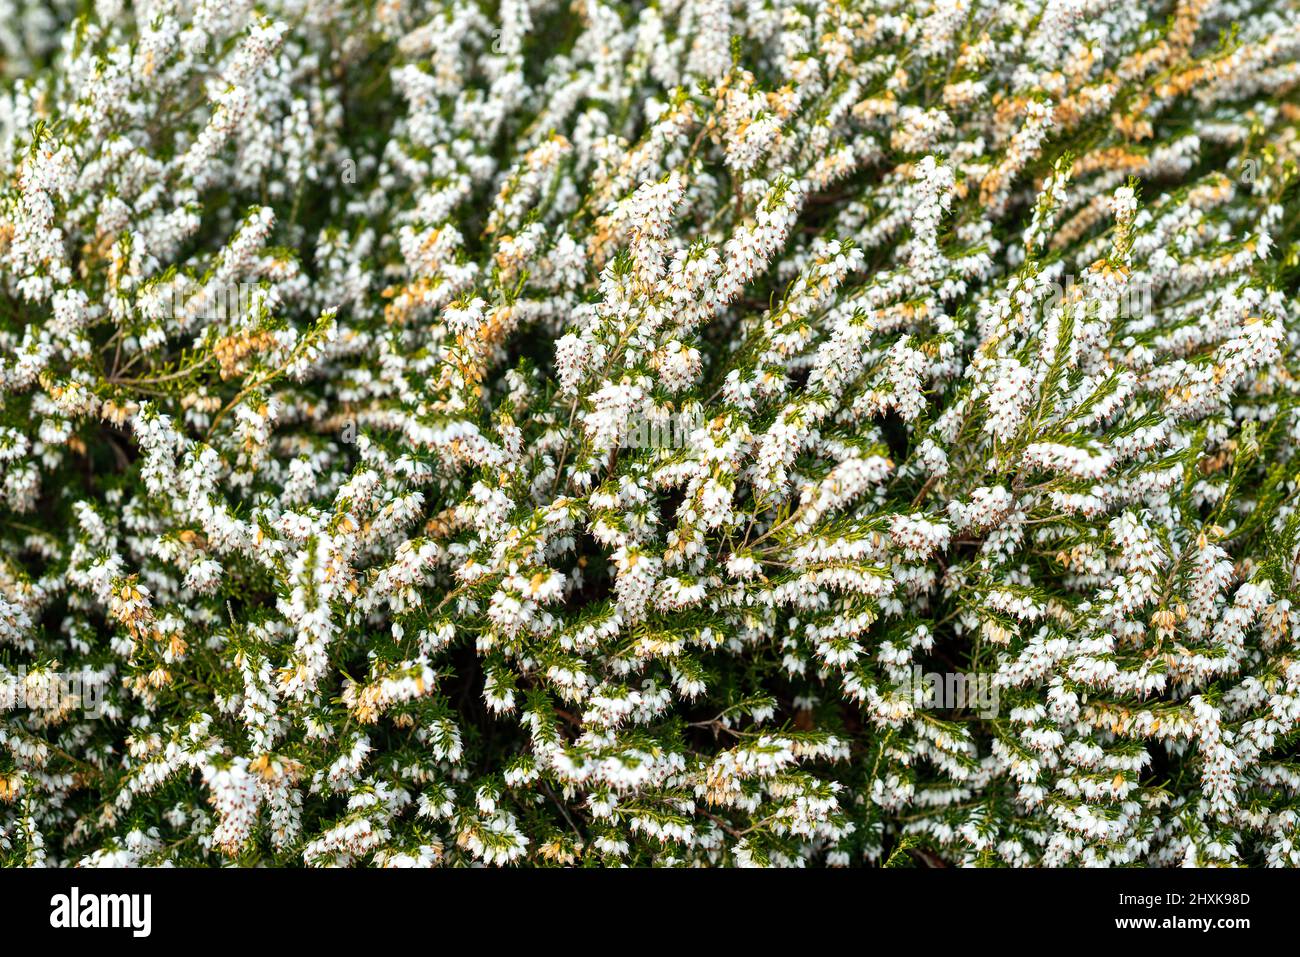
x: 693, y: 432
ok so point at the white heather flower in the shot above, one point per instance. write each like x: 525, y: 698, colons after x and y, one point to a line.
x: 688, y: 434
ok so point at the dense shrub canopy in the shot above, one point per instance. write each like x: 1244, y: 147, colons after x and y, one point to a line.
x: 690, y: 432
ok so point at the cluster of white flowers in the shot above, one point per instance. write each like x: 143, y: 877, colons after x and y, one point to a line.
x: 377, y: 567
